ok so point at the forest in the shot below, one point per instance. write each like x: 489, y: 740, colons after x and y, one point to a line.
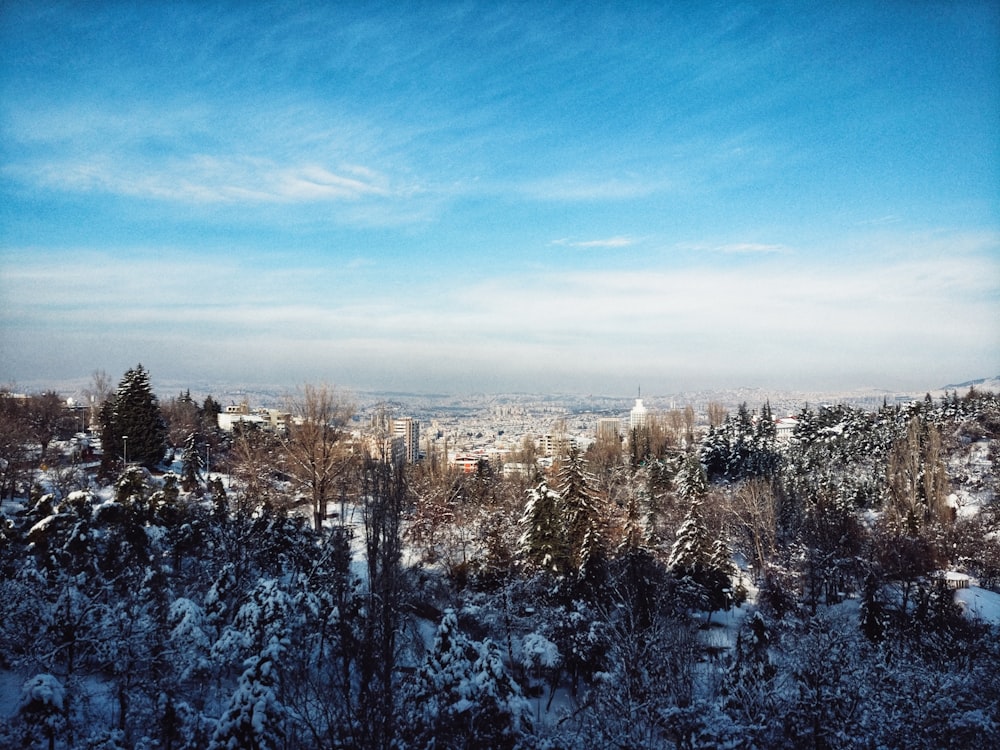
x: 186, y: 588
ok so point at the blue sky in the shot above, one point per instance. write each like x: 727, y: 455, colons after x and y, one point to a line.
x: 485, y: 197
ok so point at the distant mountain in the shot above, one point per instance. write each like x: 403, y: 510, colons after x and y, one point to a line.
x: 986, y: 384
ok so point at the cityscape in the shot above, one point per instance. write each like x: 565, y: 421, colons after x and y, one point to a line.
x: 476, y: 375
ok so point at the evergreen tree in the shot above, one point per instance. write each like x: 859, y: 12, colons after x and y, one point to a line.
x: 132, y: 428
x: 692, y: 483
x: 541, y: 543
x: 210, y: 410
x: 584, y: 535
x: 704, y: 566
x: 191, y: 462
x: 439, y: 699
x: 748, y: 687
x: 255, y: 717
x: 872, y: 610
x: 501, y: 716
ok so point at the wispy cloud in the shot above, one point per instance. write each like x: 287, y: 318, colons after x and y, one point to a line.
x: 880, y: 221
x: 213, y: 179
x: 591, y: 188
x: 610, y: 242
x: 738, y: 248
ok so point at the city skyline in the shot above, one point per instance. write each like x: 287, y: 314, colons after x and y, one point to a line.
x: 478, y: 197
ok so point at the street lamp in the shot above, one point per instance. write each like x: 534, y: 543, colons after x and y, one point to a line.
x: 125, y: 449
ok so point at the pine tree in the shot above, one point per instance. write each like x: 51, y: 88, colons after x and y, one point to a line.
x: 542, y: 544
x: 502, y: 714
x: 703, y: 565
x: 254, y: 718
x: 872, y: 610
x: 439, y: 697
x: 692, y: 547
x: 191, y: 462
x: 692, y: 482
x: 584, y: 534
x: 132, y: 427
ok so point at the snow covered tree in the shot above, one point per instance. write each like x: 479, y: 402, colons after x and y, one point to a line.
x: 501, y: 714
x: 440, y: 694
x: 462, y: 696
x: 542, y: 544
x: 822, y: 706
x: 749, y: 686
x: 261, y: 620
x: 254, y: 719
x: 703, y: 566
x: 691, y: 480
x: 581, y: 636
x: 132, y: 427
x: 42, y: 709
x: 540, y: 659
x: 191, y: 462
x: 742, y: 446
x: 584, y: 533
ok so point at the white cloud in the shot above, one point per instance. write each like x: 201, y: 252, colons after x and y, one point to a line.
x: 737, y: 248
x: 610, y: 242
x: 202, y: 178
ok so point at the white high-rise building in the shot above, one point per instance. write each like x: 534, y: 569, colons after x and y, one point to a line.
x: 638, y: 417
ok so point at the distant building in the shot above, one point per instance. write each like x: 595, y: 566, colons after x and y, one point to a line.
x: 407, y: 431
x: 639, y: 417
x: 469, y: 461
x: 515, y: 469
x: 227, y: 420
x: 557, y: 445
x: 784, y: 428
x: 273, y: 420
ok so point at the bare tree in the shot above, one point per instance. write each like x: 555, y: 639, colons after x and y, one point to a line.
x: 314, y: 447
x: 917, y: 480
x: 99, y: 390
x: 14, y: 439
x: 384, y: 493
x: 183, y: 417
x: 45, y: 417
x: 255, y: 460
x: 755, y: 515
x: 689, y: 423
x: 716, y: 414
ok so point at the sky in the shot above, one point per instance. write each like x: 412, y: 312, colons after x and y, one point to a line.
x: 486, y: 197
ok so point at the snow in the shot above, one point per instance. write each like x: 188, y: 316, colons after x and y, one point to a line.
x: 972, y: 475
x: 43, y: 690
x: 42, y: 525
x: 539, y: 651
x: 979, y: 604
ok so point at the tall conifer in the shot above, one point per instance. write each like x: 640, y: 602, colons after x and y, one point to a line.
x: 133, y: 428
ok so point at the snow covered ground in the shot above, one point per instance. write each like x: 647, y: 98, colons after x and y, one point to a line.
x: 980, y: 604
